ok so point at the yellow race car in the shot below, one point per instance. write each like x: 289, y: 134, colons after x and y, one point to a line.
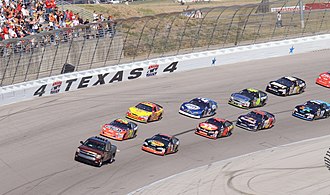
x: 145, y: 112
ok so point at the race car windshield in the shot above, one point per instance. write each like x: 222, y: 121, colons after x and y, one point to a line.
x: 144, y: 107
x: 312, y: 105
x: 119, y: 125
x: 95, y: 145
x: 255, y: 115
x: 284, y: 81
x: 163, y: 139
x: 215, y: 122
x: 247, y: 93
x: 197, y: 102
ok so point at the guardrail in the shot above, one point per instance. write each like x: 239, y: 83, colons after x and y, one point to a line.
x: 136, y: 39
x: 327, y: 159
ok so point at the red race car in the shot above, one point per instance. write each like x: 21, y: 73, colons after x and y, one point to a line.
x: 324, y: 79
x: 119, y: 129
x: 215, y: 128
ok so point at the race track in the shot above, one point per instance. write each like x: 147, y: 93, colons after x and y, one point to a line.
x: 38, y: 138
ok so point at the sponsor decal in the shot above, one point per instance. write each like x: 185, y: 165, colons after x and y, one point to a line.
x: 152, y: 70
x: 208, y: 126
x: 286, y: 9
x: 192, y: 107
x: 56, y: 87
x: 156, y: 143
x: 101, y: 79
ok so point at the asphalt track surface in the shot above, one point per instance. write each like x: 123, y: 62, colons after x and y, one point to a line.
x: 295, y: 168
x: 38, y: 138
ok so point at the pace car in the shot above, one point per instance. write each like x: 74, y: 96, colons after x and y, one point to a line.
x: 248, y: 98
x: 198, y: 108
x: 311, y: 110
x: 145, y: 112
x: 215, y: 128
x: 119, y: 129
x: 324, y: 79
x: 256, y: 120
x: 161, y: 144
x: 286, y: 86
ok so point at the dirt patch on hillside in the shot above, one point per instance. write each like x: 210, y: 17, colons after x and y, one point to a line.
x: 140, y: 9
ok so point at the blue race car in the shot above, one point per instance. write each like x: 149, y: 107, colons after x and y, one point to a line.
x: 199, y: 108
x: 311, y: 110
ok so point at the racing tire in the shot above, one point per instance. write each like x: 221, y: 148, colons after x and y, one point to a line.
x: 148, y: 120
x: 160, y: 117
x: 258, y: 128
x: 176, y: 148
x: 287, y: 92
x: 327, y: 115
x: 229, y: 133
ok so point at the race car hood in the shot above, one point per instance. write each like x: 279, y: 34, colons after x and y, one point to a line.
x: 191, y: 107
x: 248, y: 119
x: 305, y: 109
x: 139, y: 112
x: 240, y: 97
x: 208, y: 126
x: 90, y: 150
x: 278, y: 85
x: 155, y: 143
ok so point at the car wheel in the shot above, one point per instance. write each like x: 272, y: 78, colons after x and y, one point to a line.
x: 112, y: 159
x: 229, y: 133
x: 160, y: 116
x: 148, y: 120
x: 100, y: 163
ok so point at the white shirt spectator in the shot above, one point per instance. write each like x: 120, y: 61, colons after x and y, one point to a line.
x: 2, y: 19
x: 25, y: 12
x: 75, y: 22
x: 95, y: 16
x: 41, y: 19
x: 12, y: 33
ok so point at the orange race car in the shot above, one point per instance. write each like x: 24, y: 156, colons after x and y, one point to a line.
x: 119, y: 129
x: 145, y: 112
x: 215, y: 128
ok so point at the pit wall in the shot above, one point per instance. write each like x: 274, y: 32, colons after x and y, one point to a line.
x: 167, y: 65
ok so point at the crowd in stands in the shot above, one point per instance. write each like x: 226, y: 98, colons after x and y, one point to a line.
x: 20, y: 18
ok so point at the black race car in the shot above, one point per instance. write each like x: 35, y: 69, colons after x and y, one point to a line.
x: 161, y: 144
x: 286, y: 86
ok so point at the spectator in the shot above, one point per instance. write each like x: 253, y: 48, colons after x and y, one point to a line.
x: 279, y: 19
x: 95, y: 16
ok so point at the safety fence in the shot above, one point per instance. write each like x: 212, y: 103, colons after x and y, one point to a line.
x: 136, y: 39
x: 327, y: 159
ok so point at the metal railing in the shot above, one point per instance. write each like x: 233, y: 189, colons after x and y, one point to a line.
x: 135, y: 39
